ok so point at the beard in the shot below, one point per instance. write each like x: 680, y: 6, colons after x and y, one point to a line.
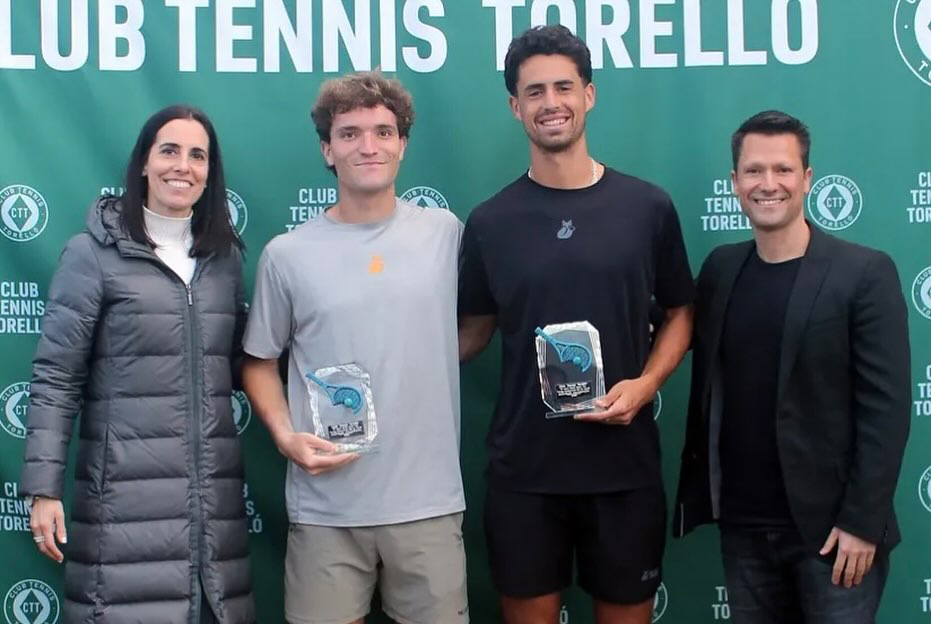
x: 556, y: 145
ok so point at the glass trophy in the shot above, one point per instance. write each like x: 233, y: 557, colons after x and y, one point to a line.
x: 341, y: 407
x: 570, y: 365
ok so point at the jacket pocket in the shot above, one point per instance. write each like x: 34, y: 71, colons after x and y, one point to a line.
x: 104, y: 461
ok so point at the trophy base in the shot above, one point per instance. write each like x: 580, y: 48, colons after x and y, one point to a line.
x: 588, y: 406
x: 361, y: 448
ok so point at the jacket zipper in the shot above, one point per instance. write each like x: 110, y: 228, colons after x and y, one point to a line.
x: 198, y: 516
x: 195, y: 413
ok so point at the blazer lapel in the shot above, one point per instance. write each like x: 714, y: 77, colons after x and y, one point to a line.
x: 811, y: 274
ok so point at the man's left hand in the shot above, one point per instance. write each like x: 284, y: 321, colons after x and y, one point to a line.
x: 622, y: 402
x: 854, y: 557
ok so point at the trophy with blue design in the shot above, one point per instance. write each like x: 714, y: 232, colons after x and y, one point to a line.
x: 570, y: 366
x: 341, y: 407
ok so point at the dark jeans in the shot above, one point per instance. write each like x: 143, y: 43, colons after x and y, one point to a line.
x: 772, y: 578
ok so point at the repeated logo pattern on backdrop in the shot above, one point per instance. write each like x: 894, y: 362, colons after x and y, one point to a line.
x: 925, y: 598
x: 14, y: 401
x: 242, y: 411
x: 835, y: 202
x: 311, y: 202
x: 23, y: 212
x: 660, y: 602
x: 21, y: 307
x: 239, y: 214
x: 31, y: 602
x: 924, y: 489
x: 921, y: 292
x: 720, y: 608
x: 722, y: 211
x: 922, y: 400
x: 918, y: 202
x: 913, y: 36
x: 14, y: 509
x: 674, y: 79
x: 425, y: 197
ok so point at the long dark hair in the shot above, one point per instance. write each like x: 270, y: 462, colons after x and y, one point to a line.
x: 210, y: 223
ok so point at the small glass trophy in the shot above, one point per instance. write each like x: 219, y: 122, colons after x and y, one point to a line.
x: 341, y: 407
x: 571, y: 369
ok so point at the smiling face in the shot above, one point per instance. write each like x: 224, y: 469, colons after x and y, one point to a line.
x: 771, y: 180
x: 552, y: 101
x: 366, y: 149
x: 177, y: 168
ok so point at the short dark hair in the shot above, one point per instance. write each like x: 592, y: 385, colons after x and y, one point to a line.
x: 770, y: 123
x: 548, y: 40
x: 210, y: 222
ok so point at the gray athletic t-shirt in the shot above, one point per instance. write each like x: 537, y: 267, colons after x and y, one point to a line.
x: 381, y: 295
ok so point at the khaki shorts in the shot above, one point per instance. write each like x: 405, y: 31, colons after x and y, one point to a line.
x: 331, y: 572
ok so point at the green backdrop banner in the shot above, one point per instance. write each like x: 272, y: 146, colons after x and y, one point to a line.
x: 673, y: 78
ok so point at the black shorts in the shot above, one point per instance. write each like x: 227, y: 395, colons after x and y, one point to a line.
x: 616, y: 539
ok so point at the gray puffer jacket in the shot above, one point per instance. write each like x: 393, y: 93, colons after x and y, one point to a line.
x: 158, y: 494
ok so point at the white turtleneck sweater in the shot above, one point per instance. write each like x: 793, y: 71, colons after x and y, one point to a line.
x: 173, y: 239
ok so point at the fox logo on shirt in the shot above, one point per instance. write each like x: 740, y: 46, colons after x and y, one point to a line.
x: 566, y: 230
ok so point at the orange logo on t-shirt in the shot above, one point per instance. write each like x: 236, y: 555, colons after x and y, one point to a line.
x: 377, y: 265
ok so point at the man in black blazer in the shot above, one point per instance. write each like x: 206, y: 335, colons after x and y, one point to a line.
x: 799, y: 406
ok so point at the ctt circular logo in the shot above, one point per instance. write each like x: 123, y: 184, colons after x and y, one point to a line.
x: 657, y: 405
x: 921, y: 292
x: 23, y: 212
x: 425, y: 197
x: 239, y: 214
x: 31, y: 602
x: 835, y: 202
x: 924, y: 489
x: 660, y: 602
x: 14, y: 401
x: 912, y: 27
x: 242, y: 411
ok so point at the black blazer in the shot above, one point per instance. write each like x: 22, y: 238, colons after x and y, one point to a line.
x: 844, y: 395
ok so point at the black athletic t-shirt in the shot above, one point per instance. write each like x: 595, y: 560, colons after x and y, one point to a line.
x: 752, y: 487
x: 533, y: 256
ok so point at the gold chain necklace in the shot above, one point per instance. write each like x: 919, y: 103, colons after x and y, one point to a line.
x: 594, y: 172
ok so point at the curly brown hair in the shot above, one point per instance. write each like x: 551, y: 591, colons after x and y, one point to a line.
x: 361, y: 90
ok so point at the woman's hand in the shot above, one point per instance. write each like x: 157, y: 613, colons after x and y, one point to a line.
x: 48, y: 526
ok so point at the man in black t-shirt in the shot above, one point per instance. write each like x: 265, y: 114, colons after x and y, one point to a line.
x: 799, y: 407
x: 572, y: 240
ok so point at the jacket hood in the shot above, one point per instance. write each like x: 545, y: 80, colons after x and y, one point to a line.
x: 103, y: 221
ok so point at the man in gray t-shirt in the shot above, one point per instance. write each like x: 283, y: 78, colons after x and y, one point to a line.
x: 370, y: 283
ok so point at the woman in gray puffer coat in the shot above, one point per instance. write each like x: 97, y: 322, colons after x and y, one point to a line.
x: 141, y: 334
